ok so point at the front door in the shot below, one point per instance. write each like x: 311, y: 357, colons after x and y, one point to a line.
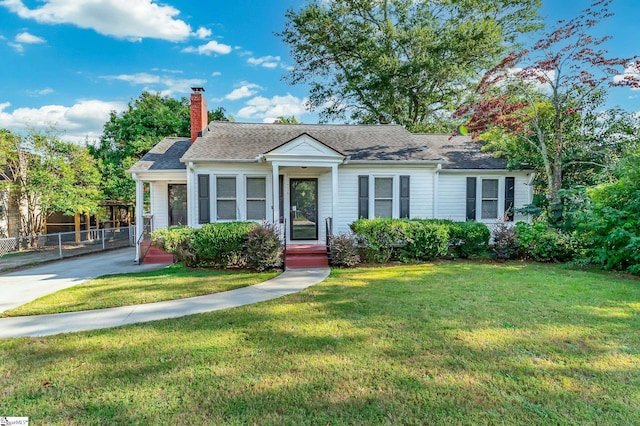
x: 304, y: 208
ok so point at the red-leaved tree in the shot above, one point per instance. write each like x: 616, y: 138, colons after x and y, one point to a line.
x: 540, y: 106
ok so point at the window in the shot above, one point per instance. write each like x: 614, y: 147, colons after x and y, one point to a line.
x: 203, y: 199
x: 256, y: 198
x: 383, y: 197
x: 489, y: 208
x: 226, y: 198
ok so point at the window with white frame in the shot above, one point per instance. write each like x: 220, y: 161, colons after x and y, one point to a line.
x: 226, y: 198
x: 490, y: 195
x: 256, y: 198
x: 383, y: 197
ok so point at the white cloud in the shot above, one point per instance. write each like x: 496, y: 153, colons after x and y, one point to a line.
x: 216, y: 74
x: 209, y: 48
x: 265, y: 61
x: 630, y: 72
x: 270, y: 109
x: 19, y: 48
x: 244, y: 91
x: 82, y: 120
x: 138, y: 78
x: 203, y: 33
x: 129, y: 19
x: 41, y: 92
x: 26, y: 38
x: 164, y: 84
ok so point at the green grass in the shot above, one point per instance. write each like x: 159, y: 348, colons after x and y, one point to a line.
x: 173, y: 282
x: 450, y: 343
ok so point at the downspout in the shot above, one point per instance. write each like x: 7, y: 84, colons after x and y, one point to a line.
x: 436, y: 178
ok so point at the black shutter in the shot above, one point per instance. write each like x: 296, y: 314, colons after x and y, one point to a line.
x: 404, y: 197
x: 509, y: 197
x: 363, y: 197
x: 204, y: 205
x: 471, y: 198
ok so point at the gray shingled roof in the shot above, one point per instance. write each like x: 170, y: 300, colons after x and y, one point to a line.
x: 246, y: 141
x: 164, y: 156
x: 460, y: 152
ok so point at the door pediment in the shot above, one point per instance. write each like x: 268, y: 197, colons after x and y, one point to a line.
x: 304, y: 147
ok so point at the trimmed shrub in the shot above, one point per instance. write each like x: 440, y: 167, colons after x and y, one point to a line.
x: 542, y: 243
x: 263, y: 248
x: 468, y: 239
x: 401, y: 239
x: 177, y: 241
x: 426, y: 240
x: 505, y: 242
x: 344, y: 250
x: 221, y: 244
x: 380, y: 238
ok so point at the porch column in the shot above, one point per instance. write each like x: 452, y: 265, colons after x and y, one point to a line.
x: 334, y: 191
x: 139, y: 215
x: 276, y: 192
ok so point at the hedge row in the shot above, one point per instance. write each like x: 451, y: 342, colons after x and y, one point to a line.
x: 405, y: 240
x: 539, y: 241
x: 223, y: 245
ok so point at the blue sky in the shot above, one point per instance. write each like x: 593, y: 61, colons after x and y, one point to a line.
x: 67, y: 63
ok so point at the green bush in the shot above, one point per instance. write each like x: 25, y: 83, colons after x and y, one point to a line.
x: 344, y: 250
x: 221, y: 244
x: 177, y: 241
x: 401, y: 239
x: 263, y: 248
x: 468, y: 239
x: 610, y: 221
x: 542, y: 243
x: 426, y: 240
x: 381, y: 238
x: 505, y: 242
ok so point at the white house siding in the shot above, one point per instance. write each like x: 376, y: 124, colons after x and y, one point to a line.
x: 160, y: 204
x: 452, y: 193
x: 421, y: 191
x: 523, y: 196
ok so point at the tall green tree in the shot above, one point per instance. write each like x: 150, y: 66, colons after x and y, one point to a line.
x: 128, y: 135
x: 399, y: 61
x: 540, y: 106
x: 48, y: 175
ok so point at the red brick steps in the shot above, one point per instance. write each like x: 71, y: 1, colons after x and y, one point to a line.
x: 301, y: 256
x: 155, y: 255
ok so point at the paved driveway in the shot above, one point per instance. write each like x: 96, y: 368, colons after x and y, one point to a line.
x: 18, y: 288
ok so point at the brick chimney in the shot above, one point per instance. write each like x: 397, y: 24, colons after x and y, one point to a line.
x: 199, y: 117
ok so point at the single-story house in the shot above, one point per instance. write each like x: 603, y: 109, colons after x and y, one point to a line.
x: 302, y: 175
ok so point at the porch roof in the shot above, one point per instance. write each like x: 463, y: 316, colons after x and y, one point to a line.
x: 165, y: 156
x: 247, y: 141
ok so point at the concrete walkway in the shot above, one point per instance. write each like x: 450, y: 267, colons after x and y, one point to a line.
x: 20, y: 287
x: 291, y: 281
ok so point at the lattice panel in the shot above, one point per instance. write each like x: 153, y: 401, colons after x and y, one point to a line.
x: 7, y: 245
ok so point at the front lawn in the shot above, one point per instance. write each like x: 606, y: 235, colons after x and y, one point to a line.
x: 173, y: 282
x: 450, y: 343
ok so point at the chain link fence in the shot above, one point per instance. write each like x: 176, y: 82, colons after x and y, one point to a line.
x: 65, y: 244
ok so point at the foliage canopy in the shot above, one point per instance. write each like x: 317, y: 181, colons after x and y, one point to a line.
x: 399, y: 61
